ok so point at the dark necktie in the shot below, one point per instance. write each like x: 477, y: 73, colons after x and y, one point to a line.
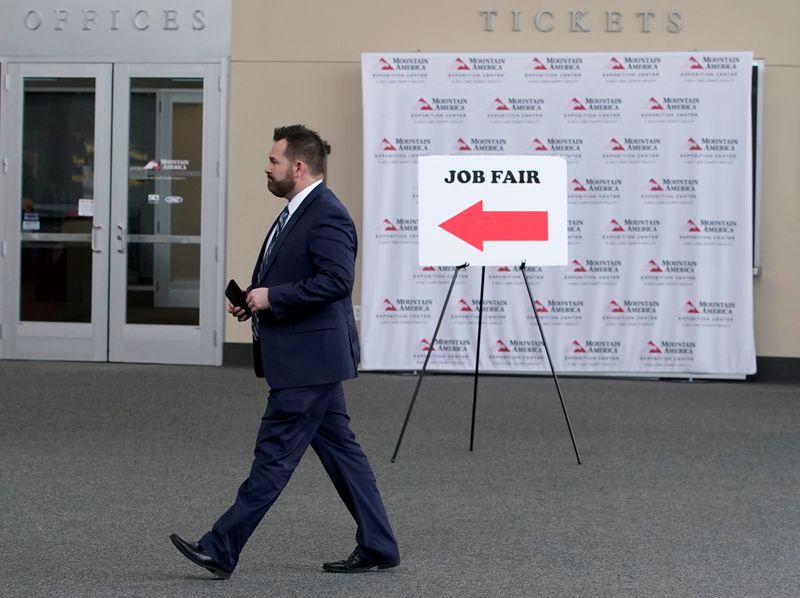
x: 284, y: 216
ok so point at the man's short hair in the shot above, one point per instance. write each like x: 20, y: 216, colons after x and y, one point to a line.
x: 304, y: 144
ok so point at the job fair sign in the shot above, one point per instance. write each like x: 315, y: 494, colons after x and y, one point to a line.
x: 492, y: 210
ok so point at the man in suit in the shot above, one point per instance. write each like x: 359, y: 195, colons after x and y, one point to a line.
x: 305, y: 343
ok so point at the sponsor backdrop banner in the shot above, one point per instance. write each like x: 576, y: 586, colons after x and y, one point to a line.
x: 659, y: 275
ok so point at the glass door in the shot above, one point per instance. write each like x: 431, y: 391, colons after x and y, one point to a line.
x: 110, y: 218
x: 165, y: 280
x: 56, y: 209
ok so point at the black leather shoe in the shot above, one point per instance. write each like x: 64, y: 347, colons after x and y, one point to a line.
x: 357, y: 563
x: 194, y: 553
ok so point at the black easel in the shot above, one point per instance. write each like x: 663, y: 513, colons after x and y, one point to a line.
x: 477, y: 360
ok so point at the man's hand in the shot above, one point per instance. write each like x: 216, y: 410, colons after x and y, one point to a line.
x: 238, y: 313
x: 258, y: 299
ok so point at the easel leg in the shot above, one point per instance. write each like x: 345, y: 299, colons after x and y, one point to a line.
x: 477, y: 361
x: 550, y: 361
x: 425, y: 364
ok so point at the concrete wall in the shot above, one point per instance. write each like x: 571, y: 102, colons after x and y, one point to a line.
x: 300, y: 62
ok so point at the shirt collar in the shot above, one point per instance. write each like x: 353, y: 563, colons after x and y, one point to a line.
x: 295, y: 202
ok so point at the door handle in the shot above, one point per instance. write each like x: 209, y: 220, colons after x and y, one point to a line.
x: 122, y: 237
x: 95, y: 228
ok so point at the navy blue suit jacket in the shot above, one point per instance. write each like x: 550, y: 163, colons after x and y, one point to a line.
x: 309, y: 335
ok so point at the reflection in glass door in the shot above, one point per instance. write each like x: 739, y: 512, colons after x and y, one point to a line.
x: 55, y: 306
x: 165, y: 188
x: 164, y: 202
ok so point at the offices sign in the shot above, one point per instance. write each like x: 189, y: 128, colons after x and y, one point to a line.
x: 115, y: 30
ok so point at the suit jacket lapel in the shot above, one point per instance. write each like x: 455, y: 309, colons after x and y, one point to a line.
x: 295, y: 218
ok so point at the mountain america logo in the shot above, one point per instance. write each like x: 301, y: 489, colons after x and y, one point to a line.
x: 693, y: 146
x: 595, y: 104
x: 576, y: 105
x: 536, y: 65
x: 712, y: 63
x: 556, y: 63
x: 406, y: 145
x: 500, y: 105
x: 481, y: 144
x: 615, y: 65
x: 712, y: 144
x: 477, y: 68
x: 519, y: 346
x: 638, y: 225
x: 562, y: 306
x: 669, y: 190
x: 538, y: 146
x: 669, y: 266
x: 652, y: 348
x: 577, y: 186
x: 557, y: 145
x: 408, y: 225
x: 634, y: 63
x: 485, y: 63
x: 401, y: 304
x: 425, y: 345
x: 595, y: 347
x: 449, y: 345
x: 653, y: 267
x: 635, y: 144
x: 463, y: 306
x: 693, y: 64
x: 401, y: 64
x: 441, y: 104
x: 690, y: 308
x: 631, y: 311
x: 709, y: 308
x: 713, y: 227
x: 669, y: 348
x: 684, y: 104
x: 518, y: 104
x: 459, y: 65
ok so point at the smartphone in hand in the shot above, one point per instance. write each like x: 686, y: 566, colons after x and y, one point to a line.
x: 237, y: 296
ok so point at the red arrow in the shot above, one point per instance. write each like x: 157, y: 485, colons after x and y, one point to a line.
x: 475, y: 226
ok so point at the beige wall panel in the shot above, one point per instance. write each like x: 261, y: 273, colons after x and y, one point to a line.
x: 325, y: 97
x: 777, y: 290
x: 276, y: 80
x: 341, y: 30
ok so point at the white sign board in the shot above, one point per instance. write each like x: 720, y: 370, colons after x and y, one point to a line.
x: 492, y: 210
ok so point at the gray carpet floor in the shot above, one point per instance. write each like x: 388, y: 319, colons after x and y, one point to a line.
x: 687, y: 489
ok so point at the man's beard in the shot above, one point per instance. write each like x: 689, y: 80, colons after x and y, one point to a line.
x: 280, y: 188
